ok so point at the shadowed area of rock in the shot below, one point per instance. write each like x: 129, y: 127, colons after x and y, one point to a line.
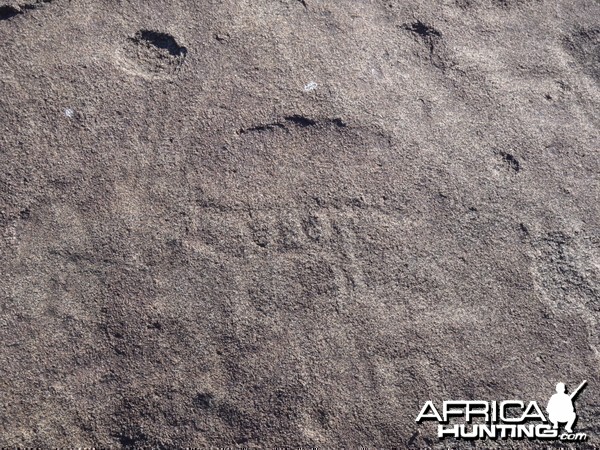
x: 198, y: 250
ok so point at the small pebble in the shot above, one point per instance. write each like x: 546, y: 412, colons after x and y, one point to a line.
x: 310, y: 86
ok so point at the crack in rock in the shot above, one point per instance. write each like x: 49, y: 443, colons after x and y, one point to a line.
x: 295, y: 120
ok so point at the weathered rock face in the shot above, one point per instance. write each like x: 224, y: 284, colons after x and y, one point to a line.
x: 292, y: 222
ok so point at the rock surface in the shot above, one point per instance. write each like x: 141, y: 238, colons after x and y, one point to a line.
x: 285, y: 223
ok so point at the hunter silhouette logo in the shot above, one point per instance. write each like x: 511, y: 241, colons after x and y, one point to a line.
x: 513, y: 419
x: 560, y: 407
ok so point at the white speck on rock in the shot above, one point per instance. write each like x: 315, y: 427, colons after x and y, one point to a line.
x: 310, y: 86
x: 69, y: 113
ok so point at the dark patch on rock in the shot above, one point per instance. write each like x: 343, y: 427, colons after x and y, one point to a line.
x: 156, y: 52
x: 584, y: 46
x: 510, y: 161
x: 431, y: 38
x: 9, y: 11
x: 25, y: 214
x: 160, y: 40
x: 204, y: 400
x: 155, y: 326
x: 300, y: 120
x: 339, y: 123
x: 423, y: 30
x: 295, y: 120
x: 262, y: 128
x: 214, y: 258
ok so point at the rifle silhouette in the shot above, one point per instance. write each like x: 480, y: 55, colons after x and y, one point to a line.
x: 576, y: 391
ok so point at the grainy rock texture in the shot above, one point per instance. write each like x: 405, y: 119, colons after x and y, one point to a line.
x: 284, y: 223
